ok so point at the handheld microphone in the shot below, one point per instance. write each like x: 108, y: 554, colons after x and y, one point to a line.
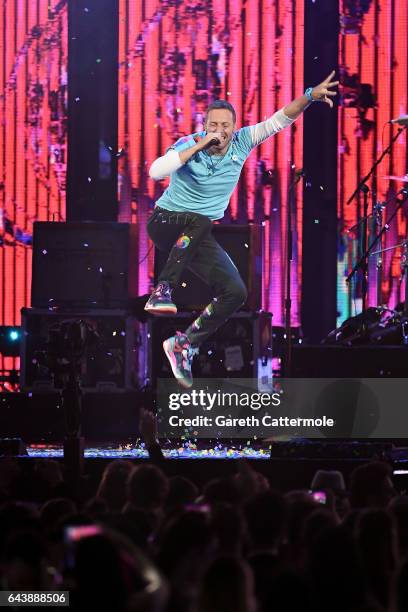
x: 200, y: 135
x: 402, y: 120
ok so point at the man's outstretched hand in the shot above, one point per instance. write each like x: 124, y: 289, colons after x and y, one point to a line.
x: 323, y: 92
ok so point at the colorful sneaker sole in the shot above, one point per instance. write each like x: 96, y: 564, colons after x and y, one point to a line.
x: 168, y: 349
x: 161, y: 309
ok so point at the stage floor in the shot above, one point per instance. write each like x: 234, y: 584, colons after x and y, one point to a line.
x: 138, y: 451
x: 288, y: 465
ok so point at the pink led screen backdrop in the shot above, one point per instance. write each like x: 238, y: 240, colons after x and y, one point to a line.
x: 177, y: 57
x: 33, y: 82
x: 373, y: 55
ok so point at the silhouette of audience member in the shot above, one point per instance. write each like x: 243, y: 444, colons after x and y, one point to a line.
x: 147, y: 490
x: 399, y: 509
x: 332, y: 483
x: 316, y: 523
x: 228, y: 526
x: 55, y: 510
x: 10, y: 472
x: 182, y: 492
x: 138, y: 525
x: 185, y: 546
x: 377, y: 546
x: 249, y: 481
x: 371, y: 486
x: 25, y: 563
x: 227, y: 586
x: 222, y: 490
x: 113, y: 486
x: 266, y: 517
x: 300, y: 505
x: 335, y: 572
x: 110, y: 574
x: 17, y: 517
x: 400, y: 597
x: 96, y: 508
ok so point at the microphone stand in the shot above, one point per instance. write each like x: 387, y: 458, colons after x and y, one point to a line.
x: 405, y: 273
x: 289, y: 257
x: 404, y: 319
x: 378, y: 216
x: 362, y: 261
x: 364, y: 266
x: 376, y: 163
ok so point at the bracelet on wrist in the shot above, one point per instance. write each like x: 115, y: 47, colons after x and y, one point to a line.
x: 308, y: 94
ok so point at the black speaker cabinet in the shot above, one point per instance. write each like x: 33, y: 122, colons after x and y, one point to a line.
x: 243, y: 243
x: 84, y: 265
x: 113, y: 356
x: 349, y: 361
x: 39, y: 416
x: 12, y: 447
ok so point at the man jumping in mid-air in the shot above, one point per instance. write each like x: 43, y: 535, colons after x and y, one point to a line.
x: 204, y: 170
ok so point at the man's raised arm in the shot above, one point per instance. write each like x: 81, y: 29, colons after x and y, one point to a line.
x: 287, y: 115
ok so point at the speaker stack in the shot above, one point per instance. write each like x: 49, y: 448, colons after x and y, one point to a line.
x: 88, y: 271
x: 84, y: 272
x: 242, y: 347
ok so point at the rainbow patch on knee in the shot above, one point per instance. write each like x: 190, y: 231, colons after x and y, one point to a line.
x: 196, y: 324
x: 209, y: 310
x: 183, y: 242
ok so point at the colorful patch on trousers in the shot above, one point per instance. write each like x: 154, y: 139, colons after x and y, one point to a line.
x: 183, y: 242
x: 208, y: 310
x: 196, y: 324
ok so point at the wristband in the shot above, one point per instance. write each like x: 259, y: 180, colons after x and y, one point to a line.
x: 308, y: 94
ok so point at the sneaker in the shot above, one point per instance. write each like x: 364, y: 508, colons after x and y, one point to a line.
x: 160, y: 302
x: 180, y: 354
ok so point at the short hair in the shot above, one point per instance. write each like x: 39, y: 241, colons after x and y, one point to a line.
x: 365, y: 482
x: 147, y: 487
x: 221, y: 104
x: 266, y: 516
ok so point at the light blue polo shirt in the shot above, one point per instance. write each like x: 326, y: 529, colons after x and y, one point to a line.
x: 204, y: 184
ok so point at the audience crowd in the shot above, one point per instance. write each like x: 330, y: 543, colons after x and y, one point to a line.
x: 145, y: 541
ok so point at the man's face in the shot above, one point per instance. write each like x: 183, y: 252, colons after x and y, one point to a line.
x: 220, y: 120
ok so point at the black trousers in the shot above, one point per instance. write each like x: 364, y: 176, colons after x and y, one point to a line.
x: 188, y: 240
